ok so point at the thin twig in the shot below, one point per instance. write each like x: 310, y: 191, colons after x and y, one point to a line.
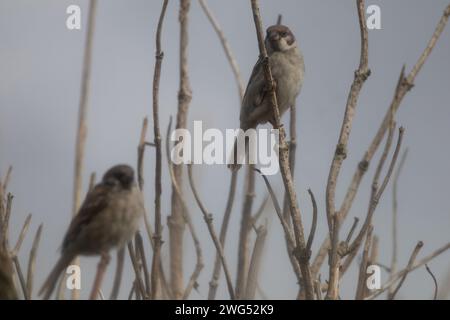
x: 176, y: 221
x: 140, y: 288
x: 393, y: 267
x: 118, y: 274
x: 301, y: 254
x: 408, y: 269
x: 244, y: 233
x: 208, y: 219
x: 22, y: 235
x: 287, y: 231
x: 101, y: 270
x: 22, y: 280
x: 403, y: 87
x: 280, y: 19
x: 32, y: 261
x: 187, y: 219
x: 400, y: 274
x: 157, y: 237
x: 361, y: 284
x: 255, y: 262
x: 140, y: 249
x: 377, y: 194
x: 82, y: 118
x: 340, y: 154
x: 226, y: 47
x: 213, y: 284
x: 314, y: 222
x: 260, y: 210
x: 436, y: 288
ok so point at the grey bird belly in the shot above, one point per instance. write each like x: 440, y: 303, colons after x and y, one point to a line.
x: 123, y: 213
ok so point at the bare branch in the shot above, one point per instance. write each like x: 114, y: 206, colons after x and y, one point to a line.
x: 280, y: 19
x: 22, y: 235
x: 393, y: 267
x: 400, y: 274
x: 187, y: 219
x: 32, y: 261
x: 22, y: 280
x: 176, y: 220
x: 361, y: 284
x: 139, y: 287
x: 226, y: 47
x: 377, y: 195
x: 436, y: 288
x: 208, y: 219
x: 408, y: 268
x: 101, y: 269
x: 361, y: 75
x: 157, y: 242
x: 140, y: 249
x: 403, y: 86
x: 118, y: 275
x: 223, y: 232
x: 314, y: 222
x: 244, y: 234
x: 301, y: 254
x: 82, y: 118
x: 255, y: 262
x: 287, y: 231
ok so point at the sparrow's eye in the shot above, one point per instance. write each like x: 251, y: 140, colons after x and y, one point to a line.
x: 284, y: 34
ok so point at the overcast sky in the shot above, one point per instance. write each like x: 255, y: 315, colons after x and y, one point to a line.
x: 40, y: 70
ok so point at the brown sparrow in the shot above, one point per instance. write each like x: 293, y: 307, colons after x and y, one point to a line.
x: 108, y: 217
x: 286, y: 63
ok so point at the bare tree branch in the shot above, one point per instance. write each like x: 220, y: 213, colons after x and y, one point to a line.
x: 400, y: 274
x: 403, y: 86
x: 187, y: 219
x: 208, y: 219
x: 223, y: 232
x: 361, y: 284
x: 156, y: 262
x: 255, y: 262
x: 176, y: 221
x: 101, y: 269
x: 393, y: 267
x: 436, y: 288
x: 301, y: 253
x: 226, y: 47
x: 82, y: 118
x: 408, y: 269
x: 32, y: 261
x: 340, y: 154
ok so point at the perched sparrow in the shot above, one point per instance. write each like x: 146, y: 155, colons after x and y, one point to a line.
x: 108, y: 218
x: 286, y: 62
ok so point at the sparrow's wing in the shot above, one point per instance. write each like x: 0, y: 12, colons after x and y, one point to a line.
x: 255, y: 94
x: 96, y: 201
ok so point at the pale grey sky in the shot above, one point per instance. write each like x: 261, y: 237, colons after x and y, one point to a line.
x: 40, y: 68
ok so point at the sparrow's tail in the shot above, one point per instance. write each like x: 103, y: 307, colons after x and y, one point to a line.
x: 50, y: 284
x: 235, y: 162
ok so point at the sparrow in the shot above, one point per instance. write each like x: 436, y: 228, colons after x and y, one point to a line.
x: 287, y: 66
x: 109, y: 217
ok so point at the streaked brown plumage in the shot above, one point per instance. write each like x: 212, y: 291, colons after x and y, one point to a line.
x: 108, y: 218
x: 286, y: 62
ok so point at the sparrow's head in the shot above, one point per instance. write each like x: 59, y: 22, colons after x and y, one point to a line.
x: 121, y: 175
x: 279, y: 38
